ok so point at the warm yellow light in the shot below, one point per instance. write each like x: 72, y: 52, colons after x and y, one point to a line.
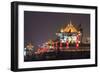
x: 79, y: 33
x: 78, y: 41
x: 62, y: 30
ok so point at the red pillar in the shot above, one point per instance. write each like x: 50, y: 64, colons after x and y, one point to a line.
x: 60, y: 45
x: 67, y: 44
x: 53, y: 45
x: 77, y: 44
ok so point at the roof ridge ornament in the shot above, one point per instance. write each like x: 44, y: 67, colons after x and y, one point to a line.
x: 70, y: 23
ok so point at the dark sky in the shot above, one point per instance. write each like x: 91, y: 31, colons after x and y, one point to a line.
x: 41, y: 26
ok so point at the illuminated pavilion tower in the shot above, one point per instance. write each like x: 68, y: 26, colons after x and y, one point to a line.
x: 70, y: 34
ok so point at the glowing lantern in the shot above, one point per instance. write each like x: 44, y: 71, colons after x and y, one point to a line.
x: 78, y: 41
x: 50, y: 46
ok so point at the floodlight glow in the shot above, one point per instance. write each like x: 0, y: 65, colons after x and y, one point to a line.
x: 74, y: 38
x: 69, y: 39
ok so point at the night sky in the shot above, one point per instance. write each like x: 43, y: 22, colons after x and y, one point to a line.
x: 41, y: 26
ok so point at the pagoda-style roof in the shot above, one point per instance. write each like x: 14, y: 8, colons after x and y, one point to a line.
x: 70, y: 28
